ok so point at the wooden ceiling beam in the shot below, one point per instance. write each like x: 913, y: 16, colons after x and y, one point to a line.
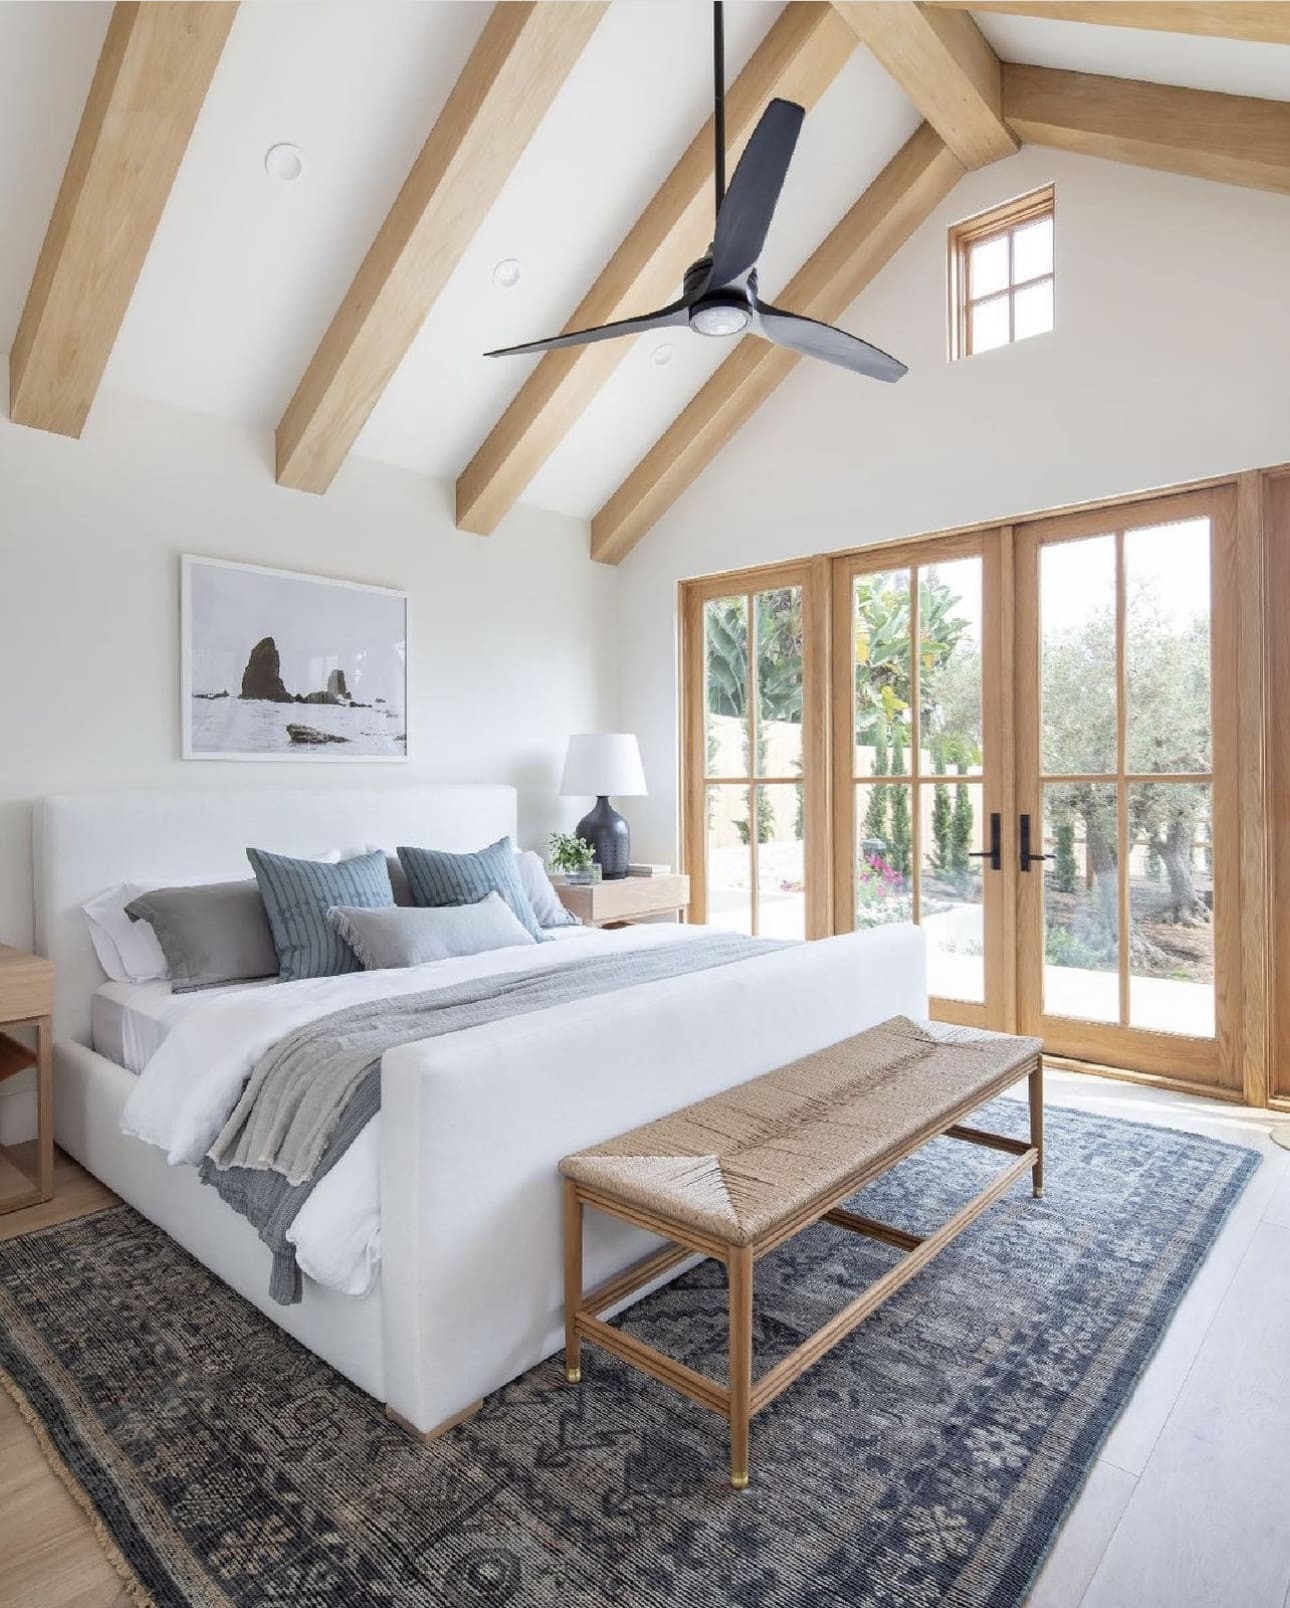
x: 518, y: 65
x: 1266, y: 21
x: 152, y: 76
x: 945, y: 64
x: 1233, y: 139
x: 905, y: 193
x: 800, y: 57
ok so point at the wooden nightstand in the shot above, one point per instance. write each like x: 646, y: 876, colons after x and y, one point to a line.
x: 27, y: 1000
x: 626, y: 899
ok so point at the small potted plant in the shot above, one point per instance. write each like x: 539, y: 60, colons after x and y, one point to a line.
x: 573, y: 857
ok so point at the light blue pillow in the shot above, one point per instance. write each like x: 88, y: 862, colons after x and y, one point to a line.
x: 298, y: 894
x: 457, y: 879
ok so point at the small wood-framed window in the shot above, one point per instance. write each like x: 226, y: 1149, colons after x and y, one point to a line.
x: 1001, y: 275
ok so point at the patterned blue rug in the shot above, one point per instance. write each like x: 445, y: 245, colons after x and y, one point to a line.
x: 928, y: 1460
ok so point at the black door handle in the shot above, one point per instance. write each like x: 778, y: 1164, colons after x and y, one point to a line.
x: 995, y: 852
x: 1027, y: 858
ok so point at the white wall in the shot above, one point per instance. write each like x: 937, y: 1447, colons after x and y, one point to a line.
x: 1170, y: 361
x: 511, y: 635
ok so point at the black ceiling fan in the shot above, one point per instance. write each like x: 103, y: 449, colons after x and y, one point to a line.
x: 719, y: 295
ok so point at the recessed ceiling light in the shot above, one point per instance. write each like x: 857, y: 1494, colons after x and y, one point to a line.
x: 507, y: 273
x: 284, y: 162
x: 661, y: 356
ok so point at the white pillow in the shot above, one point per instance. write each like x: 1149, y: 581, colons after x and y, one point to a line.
x: 128, y: 950
x: 542, y: 895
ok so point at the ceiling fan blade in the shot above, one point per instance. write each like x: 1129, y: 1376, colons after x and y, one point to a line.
x: 749, y: 204
x: 675, y: 313
x: 814, y: 339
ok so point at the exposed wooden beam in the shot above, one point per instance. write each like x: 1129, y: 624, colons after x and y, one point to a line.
x: 1231, y: 138
x: 944, y: 63
x: 522, y: 58
x: 909, y: 188
x: 799, y: 58
x: 149, y: 85
x: 1267, y: 21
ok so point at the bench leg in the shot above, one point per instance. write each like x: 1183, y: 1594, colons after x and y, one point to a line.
x: 572, y: 1281
x: 1037, y: 1128
x: 740, y: 1273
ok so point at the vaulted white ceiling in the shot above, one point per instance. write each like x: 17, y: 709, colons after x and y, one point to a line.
x: 245, y: 273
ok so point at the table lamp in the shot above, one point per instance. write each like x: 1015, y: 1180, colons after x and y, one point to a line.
x: 601, y: 763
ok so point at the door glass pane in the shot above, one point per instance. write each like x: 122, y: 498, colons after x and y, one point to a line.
x: 778, y: 622
x: 1171, y: 901
x: 949, y: 644
x: 1166, y: 644
x: 1081, y: 901
x: 1077, y: 624
x: 989, y: 324
x: 988, y: 266
x: 952, y: 913
x: 729, y: 865
x: 881, y: 656
x: 1032, y: 250
x: 1032, y: 310
x: 781, y: 870
x: 725, y: 635
x: 884, y: 854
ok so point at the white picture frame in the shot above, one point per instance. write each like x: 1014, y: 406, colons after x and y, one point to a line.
x: 336, y: 666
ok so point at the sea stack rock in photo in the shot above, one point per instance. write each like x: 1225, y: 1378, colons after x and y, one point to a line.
x: 262, y: 677
x: 336, y: 686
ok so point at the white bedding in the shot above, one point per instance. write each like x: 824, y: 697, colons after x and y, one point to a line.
x: 209, y: 1043
x: 130, y: 1021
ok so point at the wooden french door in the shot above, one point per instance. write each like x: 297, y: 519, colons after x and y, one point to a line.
x: 922, y: 784
x: 1127, y: 845
x: 754, y: 720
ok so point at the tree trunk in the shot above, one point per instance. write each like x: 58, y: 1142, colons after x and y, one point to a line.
x: 1174, y: 849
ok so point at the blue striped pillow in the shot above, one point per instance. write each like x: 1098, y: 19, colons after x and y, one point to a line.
x: 297, y: 895
x: 457, y: 879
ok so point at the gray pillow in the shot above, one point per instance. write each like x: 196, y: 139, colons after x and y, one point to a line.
x: 438, y: 879
x: 297, y: 896
x: 401, y: 937
x: 211, y: 934
x: 542, y: 895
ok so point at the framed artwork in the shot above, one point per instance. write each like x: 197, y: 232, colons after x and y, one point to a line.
x: 277, y: 665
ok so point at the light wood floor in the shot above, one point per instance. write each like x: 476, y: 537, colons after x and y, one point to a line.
x: 49, y: 1555
x: 1187, y: 1507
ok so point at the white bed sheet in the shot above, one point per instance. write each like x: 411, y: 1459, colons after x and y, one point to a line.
x: 130, y: 1021
x: 188, y: 1088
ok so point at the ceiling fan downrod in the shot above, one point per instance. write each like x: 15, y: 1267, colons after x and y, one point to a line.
x: 719, y: 100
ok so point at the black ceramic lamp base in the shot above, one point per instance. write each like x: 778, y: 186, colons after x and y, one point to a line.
x: 609, y: 836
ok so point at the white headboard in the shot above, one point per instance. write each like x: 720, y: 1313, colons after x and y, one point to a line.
x: 86, y: 842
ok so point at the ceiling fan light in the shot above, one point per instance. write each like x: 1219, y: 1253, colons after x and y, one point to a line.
x: 720, y: 318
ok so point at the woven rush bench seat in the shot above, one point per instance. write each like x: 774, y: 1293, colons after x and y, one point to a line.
x: 736, y: 1175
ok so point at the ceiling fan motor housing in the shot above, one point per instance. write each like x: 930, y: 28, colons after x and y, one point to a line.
x: 726, y: 311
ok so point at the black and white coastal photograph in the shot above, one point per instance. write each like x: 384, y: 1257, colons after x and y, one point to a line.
x: 279, y: 665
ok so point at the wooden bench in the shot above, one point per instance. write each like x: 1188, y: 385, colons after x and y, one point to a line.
x: 736, y: 1175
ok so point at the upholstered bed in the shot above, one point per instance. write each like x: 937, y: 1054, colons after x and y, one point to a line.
x: 468, y: 1292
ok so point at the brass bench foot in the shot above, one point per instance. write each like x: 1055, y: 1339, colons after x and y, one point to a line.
x: 573, y: 1375
x: 739, y: 1481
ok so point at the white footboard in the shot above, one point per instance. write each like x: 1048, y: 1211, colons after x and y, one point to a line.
x: 473, y: 1126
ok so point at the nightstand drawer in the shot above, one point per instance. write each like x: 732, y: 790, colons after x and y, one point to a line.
x: 26, y: 985
x: 626, y: 899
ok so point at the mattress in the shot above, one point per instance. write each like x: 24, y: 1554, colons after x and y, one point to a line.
x: 130, y: 1021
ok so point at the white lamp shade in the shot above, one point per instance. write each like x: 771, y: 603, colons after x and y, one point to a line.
x: 606, y: 762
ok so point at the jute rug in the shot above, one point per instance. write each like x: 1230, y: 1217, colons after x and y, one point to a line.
x: 928, y: 1460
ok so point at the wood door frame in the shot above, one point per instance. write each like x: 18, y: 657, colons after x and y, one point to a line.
x: 1198, y: 1062
x: 812, y: 576
x: 993, y: 546
x: 1263, y: 593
